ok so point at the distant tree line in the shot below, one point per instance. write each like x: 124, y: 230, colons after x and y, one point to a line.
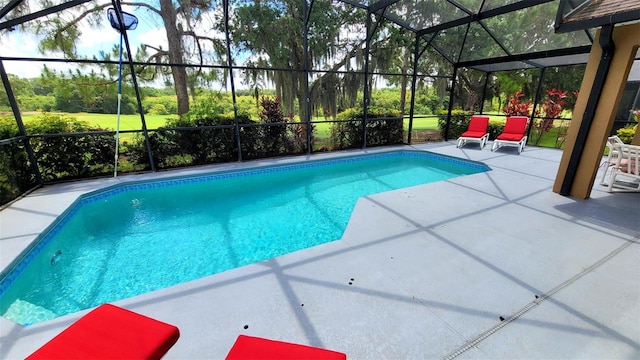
x: 74, y: 92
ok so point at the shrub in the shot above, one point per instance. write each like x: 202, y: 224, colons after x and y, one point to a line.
x: 188, y: 142
x: 158, y: 109
x: 69, y: 156
x: 275, y: 139
x: 208, y: 105
x: 495, y: 128
x: 626, y: 134
x: 36, y: 103
x: 278, y: 137
x: 168, y: 102
x: 58, y: 157
x: 16, y: 176
x: 384, y: 127
x: 297, y: 134
x: 8, y: 127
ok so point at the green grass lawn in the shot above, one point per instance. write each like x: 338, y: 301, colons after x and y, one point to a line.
x: 133, y: 122
x: 323, y: 129
x: 108, y: 121
x: 430, y: 123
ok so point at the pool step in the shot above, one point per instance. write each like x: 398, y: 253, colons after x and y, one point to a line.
x: 21, y: 310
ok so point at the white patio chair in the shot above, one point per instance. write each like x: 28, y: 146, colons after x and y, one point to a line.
x: 612, y: 141
x: 625, y: 172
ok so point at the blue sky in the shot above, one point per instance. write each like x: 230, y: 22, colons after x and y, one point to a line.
x: 91, y: 42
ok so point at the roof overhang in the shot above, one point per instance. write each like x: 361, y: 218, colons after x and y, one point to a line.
x: 560, y: 57
x: 595, y: 13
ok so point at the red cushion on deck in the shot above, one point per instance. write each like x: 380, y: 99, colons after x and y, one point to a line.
x: 473, y: 134
x: 253, y: 348
x: 515, y: 125
x: 478, y: 123
x: 111, y: 332
x: 510, y: 137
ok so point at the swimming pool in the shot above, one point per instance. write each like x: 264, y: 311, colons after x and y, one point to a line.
x: 141, y: 236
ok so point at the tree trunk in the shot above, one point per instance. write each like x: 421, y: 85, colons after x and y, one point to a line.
x: 179, y: 73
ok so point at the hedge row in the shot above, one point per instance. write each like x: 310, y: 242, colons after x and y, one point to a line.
x: 186, y: 141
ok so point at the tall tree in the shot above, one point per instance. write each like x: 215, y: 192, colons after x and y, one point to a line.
x: 272, y: 33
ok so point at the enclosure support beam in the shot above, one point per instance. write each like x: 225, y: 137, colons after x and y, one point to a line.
x: 10, y: 6
x: 38, y: 14
x: 483, y: 15
x: 453, y: 86
x: 417, y: 54
x: 595, y: 109
x: 414, y: 81
x: 134, y: 79
x: 307, y: 103
x: 536, y: 101
x: 236, y: 123
x: 484, y: 91
x: 23, y: 132
x: 365, y: 100
x: 607, y: 47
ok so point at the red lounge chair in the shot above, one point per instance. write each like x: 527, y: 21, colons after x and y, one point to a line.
x: 254, y: 348
x: 111, y: 332
x: 513, y: 134
x: 476, y: 132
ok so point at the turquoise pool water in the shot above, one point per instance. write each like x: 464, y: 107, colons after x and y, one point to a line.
x: 135, y: 238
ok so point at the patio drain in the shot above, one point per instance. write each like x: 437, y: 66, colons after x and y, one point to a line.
x: 538, y: 299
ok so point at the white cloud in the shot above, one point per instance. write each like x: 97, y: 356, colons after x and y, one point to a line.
x: 25, y: 46
x: 18, y: 44
x: 156, y: 37
x: 94, y: 39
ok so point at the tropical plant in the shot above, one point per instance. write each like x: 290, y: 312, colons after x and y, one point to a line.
x: 517, y: 107
x: 636, y: 114
x: 274, y: 138
x: 626, y: 134
x: 551, y: 109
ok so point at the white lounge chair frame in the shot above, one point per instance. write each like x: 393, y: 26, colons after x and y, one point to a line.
x: 463, y: 140
x: 497, y: 144
x: 612, y: 141
x: 625, y: 172
x: 520, y: 144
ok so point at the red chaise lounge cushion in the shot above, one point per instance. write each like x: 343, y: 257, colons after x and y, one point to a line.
x: 473, y: 134
x: 510, y: 137
x: 514, y: 129
x: 477, y: 127
x: 254, y: 348
x: 111, y: 332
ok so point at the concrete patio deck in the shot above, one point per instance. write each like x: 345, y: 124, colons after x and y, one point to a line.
x: 487, y: 266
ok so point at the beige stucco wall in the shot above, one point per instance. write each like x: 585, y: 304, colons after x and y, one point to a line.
x: 627, y: 40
